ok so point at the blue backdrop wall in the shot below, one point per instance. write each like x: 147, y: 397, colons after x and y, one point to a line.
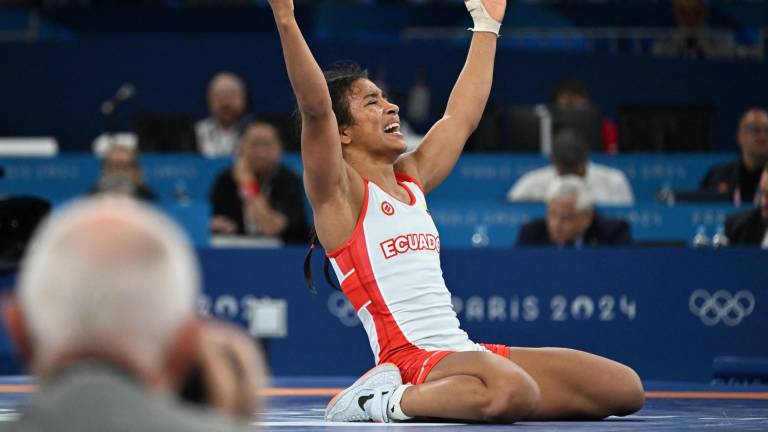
x: 666, y: 313
x: 56, y: 87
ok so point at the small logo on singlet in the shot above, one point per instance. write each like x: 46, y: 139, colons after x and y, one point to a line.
x: 387, y: 208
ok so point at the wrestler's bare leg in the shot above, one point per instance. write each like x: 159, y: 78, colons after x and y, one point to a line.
x: 579, y: 385
x: 537, y: 384
x: 474, y: 386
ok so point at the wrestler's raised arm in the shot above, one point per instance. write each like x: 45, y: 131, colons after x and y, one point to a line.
x: 444, y: 142
x: 325, y: 172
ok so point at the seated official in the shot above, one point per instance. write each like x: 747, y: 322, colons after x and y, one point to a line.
x: 259, y: 196
x: 218, y: 134
x: 750, y: 227
x: 121, y: 174
x: 570, y: 156
x: 572, y: 220
x: 739, y: 178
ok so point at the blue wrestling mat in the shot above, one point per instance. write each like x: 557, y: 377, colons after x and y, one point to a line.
x: 297, y: 404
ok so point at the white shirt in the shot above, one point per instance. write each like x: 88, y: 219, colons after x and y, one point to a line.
x: 215, y: 141
x: 764, y: 245
x: 606, y: 185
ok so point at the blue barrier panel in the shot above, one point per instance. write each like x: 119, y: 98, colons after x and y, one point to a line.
x: 471, y: 196
x: 648, y: 173
x: 57, y: 178
x: 667, y: 313
x: 193, y: 217
x: 458, y: 220
x: 68, y: 176
x: 491, y: 176
x: 487, y: 176
x: 181, y: 177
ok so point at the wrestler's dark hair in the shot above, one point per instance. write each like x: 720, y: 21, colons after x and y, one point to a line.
x: 313, y: 243
x: 339, y: 79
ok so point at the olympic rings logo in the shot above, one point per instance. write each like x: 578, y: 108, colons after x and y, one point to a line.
x: 721, y: 306
x: 342, y: 309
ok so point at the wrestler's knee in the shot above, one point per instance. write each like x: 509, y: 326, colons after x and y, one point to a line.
x: 512, y: 396
x: 619, y: 392
x: 628, y: 396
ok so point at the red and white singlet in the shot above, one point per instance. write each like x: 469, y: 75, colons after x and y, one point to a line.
x: 390, y: 271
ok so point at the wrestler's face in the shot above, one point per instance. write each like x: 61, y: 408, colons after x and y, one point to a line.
x: 376, y: 124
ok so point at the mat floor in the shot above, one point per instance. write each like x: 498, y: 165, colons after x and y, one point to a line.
x: 297, y: 404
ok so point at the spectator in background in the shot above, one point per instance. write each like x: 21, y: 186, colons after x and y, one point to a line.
x: 121, y: 174
x: 573, y: 93
x: 572, y: 220
x: 219, y: 134
x: 259, y: 196
x: 739, y: 178
x: 750, y: 227
x: 105, y: 317
x: 570, y: 156
x: 693, y: 39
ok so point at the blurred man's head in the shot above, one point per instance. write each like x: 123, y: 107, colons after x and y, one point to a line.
x: 107, y: 278
x: 120, y: 170
x: 261, y: 147
x: 570, y: 153
x: 764, y: 193
x: 226, y: 98
x: 753, y: 137
x: 571, y: 93
x: 690, y: 14
x: 569, y: 210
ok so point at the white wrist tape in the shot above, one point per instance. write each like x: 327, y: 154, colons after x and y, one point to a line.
x: 483, y: 21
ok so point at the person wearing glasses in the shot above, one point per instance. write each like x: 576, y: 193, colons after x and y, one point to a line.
x: 740, y: 178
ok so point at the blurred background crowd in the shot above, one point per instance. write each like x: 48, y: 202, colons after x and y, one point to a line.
x: 609, y: 123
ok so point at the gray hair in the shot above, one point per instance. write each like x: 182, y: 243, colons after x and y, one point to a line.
x: 110, y: 274
x: 571, y: 187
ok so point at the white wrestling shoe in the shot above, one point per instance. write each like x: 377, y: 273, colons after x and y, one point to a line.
x: 366, y: 400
